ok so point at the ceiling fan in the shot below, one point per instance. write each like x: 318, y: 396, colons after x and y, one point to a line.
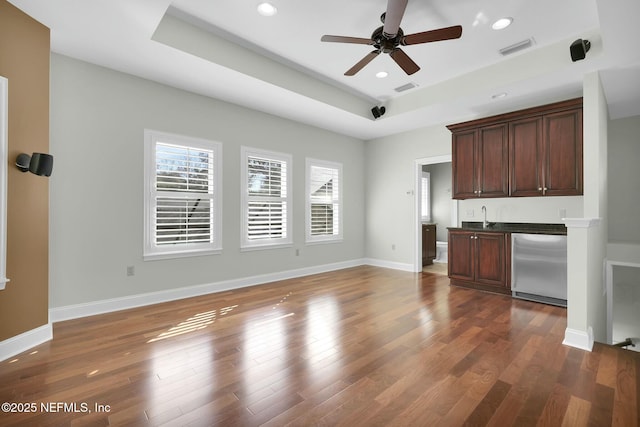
x: 389, y: 37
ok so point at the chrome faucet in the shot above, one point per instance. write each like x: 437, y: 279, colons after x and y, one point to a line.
x: 485, y: 223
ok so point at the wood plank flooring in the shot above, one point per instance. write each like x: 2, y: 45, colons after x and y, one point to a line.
x: 364, y: 346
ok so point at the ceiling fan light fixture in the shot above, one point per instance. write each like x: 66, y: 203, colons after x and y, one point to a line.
x: 381, y: 74
x: 267, y: 9
x: 502, y: 23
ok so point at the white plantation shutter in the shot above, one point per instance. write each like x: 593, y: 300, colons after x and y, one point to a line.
x: 324, y: 201
x: 425, y: 196
x: 183, y: 195
x: 266, y: 198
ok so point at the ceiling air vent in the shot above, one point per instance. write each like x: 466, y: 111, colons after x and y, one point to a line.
x: 524, y: 44
x: 405, y: 87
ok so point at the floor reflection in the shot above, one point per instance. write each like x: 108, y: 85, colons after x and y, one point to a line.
x: 193, y: 323
x: 323, y: 329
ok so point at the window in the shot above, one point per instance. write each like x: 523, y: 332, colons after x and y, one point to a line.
x: 425, y: 197
x: 182, y: 196
x: 324, y: 201
x: 266, y: 200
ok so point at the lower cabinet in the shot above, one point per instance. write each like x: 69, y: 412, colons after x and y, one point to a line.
x: 428, y: 243
x: 480, y: 259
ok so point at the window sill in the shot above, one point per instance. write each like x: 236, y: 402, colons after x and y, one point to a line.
x: 265, y: 247
x: 323, y: 242
x: 182, y: 254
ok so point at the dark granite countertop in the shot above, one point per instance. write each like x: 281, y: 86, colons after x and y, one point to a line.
x: 514, y: 227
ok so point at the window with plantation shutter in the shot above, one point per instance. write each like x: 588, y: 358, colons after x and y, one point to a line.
x: 324, y: 201
x: 182, y: 204
x: 266, y: 198
x: 425, y: 197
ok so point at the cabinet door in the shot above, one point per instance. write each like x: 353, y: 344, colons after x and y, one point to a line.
x: 492, y: 161
x: 490, y: 267
x: 425, y: 255
x: 429, y: 242
x: 463, y: 172
x: 526, y: 154
x: 461, y: 255
x: 563, y: 145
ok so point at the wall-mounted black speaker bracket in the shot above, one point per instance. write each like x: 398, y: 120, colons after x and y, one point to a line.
x: 579, y: 49
x: 39, y: 163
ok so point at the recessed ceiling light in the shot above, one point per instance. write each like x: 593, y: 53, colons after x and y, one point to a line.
x: 267, y: 9
x: 502, y: 23
x: 499, y: 95
x: 381, y: 74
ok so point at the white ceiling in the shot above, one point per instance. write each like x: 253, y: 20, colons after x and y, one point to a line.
x: 224, y: 49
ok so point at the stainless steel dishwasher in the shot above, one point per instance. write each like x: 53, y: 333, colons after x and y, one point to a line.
x: 539, y: 268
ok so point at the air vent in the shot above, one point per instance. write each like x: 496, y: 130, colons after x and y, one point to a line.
x: 524, y: 44
x: 405, y: 87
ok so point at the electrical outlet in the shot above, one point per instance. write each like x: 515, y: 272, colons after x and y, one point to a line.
x: 393, y: 247
x: 470, y: 213
x: 131, y: 270
x: 562, y: 212
x: 297, y: 252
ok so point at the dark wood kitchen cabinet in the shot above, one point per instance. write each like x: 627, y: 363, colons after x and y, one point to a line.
x: 428, y: 243
x: 532, y: 152
x: 546, y: 155
x: 480, y: 260
x: 481, y: 163
x: 562, y: 141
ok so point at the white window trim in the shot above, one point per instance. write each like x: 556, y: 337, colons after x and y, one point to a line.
x: 425, y: 197
x: 4, y: 125
x: 245, y: 243
x: 151, y: 251
x: 334, y: 238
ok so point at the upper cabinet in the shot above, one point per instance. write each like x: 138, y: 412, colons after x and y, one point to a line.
x: 533, y: 152
x: 562, y: 141
x: 480, y: 162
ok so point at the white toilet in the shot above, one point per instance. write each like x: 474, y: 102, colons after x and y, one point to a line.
x: 441, y: 252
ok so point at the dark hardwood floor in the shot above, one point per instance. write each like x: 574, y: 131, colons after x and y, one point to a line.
x: 364, y: 346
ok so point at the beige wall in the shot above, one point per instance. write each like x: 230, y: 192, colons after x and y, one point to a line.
x: 24, y: 61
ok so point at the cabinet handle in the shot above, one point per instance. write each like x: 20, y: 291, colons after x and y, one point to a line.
x: 539, y: 188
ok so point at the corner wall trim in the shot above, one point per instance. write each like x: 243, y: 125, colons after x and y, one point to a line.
x: 579, y: 339
x: 23, y: 342
x: 59, y: 314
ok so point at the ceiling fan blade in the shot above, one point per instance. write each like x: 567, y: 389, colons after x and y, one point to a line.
x: 403, y: 60
x: 342, y: 39
x: 393, y: 16
x: 447, y: 33
x: 360, y: 65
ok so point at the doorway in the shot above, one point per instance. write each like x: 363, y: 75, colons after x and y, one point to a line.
x: 432, y: 215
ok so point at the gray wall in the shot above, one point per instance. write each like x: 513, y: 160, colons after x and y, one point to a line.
x: 97, y: 121
x: 440, y: 175
x: 624, y: 180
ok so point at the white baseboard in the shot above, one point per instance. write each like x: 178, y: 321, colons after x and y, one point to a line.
x: 389, y: 264
x: 579, y: 339
x: 58, y: 314
x: 25, y: 341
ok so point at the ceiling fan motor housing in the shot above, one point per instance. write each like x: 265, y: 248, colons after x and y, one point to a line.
x: 383, y: 43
